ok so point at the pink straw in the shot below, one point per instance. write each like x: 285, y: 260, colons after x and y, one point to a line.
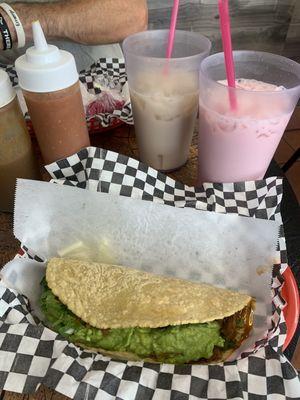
x: 172, y: 29
x: 227, y: 48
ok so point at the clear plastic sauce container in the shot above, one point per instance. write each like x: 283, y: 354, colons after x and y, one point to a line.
x: 16, y: 154
x: 50, y: 84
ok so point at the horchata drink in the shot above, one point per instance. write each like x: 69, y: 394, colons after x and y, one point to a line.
x: 164, y: 117
x: 164, y: 94
x: 238, y: 138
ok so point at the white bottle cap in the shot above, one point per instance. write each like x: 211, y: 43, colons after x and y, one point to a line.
x: 45, y: 68
x: 7, y: 93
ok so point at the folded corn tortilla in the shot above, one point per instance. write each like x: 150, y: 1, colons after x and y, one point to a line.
x: 134, y: 315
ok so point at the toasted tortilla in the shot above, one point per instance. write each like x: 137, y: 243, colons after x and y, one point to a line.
x: 111, y: 296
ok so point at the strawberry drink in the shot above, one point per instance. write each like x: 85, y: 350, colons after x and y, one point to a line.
x: 238, y: 144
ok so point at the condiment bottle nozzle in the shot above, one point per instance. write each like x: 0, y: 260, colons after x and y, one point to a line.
x: 39, y: 39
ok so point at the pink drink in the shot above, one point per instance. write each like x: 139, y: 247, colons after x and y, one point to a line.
x: 239, y: 145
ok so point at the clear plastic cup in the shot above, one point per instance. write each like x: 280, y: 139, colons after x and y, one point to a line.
x: 164, y: 94
x: 238, y: 144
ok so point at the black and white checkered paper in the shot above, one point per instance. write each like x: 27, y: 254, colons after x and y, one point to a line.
x: 111, y: 67
x: 31, y: 354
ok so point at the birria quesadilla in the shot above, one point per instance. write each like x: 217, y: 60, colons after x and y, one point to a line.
x: 133, y: 315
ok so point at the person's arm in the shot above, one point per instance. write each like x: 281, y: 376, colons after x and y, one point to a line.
x: 83, y: 21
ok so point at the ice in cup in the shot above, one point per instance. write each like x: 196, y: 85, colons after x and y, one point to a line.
x: 237, y: 144
x: 164, y: 94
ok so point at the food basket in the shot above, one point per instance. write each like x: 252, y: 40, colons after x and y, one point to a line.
x: 111, y: 70
x: 52, y: 361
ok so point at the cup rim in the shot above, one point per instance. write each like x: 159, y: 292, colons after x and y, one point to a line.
x: 236, y: 52
x: 171, y: 60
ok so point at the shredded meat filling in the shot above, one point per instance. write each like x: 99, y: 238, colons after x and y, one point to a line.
x: 234, y: 329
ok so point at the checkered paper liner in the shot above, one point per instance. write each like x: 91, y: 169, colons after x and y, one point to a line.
x: 31, y: 354
x: 112, y: 67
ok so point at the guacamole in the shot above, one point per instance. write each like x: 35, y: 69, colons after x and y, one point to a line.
x: 170, y: 344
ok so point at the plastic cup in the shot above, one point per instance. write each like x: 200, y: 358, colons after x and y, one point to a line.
x: 164, y: 93
x: 238, y: 145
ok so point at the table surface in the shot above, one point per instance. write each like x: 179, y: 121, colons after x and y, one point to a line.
x: 122, y: 140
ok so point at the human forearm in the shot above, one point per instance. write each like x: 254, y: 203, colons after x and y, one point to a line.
x: 105, y: 21
x: 30, y: 12
x: 84, y: 21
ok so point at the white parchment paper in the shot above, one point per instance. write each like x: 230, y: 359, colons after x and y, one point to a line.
x: 224, y: 250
